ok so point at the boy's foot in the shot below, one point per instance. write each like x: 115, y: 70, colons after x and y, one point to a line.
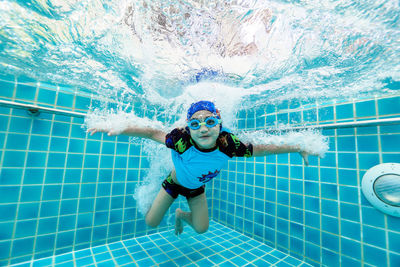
x: 178, y: 222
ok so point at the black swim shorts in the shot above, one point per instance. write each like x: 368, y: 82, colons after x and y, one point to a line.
x: 174, y: 189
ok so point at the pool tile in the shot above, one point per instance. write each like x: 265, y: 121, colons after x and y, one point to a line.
x: 389, y: 106
x: 245, y: 182
x: 26, y: 91
x: 151, y: 250
x: 365, y: 108
x: 344, y: 111
x: 374, y: 256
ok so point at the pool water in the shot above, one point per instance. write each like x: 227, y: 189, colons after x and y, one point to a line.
x: 67, y: 198
x: 64, y: 191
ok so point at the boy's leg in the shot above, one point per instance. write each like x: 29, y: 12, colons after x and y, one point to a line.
x: 159, y: 207
x: 197, y: 218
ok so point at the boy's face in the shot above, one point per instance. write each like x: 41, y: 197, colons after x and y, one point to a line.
x: 204, y: 137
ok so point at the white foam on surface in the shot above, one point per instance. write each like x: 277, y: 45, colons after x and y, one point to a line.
x: 138, y: 48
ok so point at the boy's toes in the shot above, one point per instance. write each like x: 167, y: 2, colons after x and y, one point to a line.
x: 178, y: 222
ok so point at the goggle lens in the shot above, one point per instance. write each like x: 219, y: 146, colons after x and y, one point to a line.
x: 210, y: 122
x: 194, y: 124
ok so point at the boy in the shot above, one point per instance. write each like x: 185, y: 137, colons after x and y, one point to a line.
x: 199, y: 152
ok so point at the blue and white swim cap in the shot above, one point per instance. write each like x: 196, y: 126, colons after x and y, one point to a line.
x: 203, y: 105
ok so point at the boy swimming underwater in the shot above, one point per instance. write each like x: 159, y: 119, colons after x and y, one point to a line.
x: 199, y: 152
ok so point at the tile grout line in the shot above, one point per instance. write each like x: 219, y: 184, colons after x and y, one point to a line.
x: 126, y: 182
x: 80, y: 185
x: 63, y: 178
x: 96, y: 187
x: 23, y: 178
x: 385, y: 218
x: 2, y: 158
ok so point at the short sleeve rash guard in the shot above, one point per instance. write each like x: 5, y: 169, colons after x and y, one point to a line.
x: 195, y: 167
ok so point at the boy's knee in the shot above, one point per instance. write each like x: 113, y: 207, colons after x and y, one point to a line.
x: 201, y: 229
x: 151, y: 222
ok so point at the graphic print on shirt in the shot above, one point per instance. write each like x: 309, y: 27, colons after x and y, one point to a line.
x: 208, y: 177
x: 231, y: 146
x: 179, y: 140
x: 180, y: 146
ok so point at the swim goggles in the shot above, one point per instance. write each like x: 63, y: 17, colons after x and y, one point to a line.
x: 210, y: 122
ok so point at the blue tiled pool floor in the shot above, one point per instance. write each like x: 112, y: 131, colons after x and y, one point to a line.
x: 220, y: 246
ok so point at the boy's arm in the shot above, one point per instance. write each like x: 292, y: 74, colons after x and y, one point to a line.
x: 263, y: 150
x: 150, y: 133
x: 144, y: 132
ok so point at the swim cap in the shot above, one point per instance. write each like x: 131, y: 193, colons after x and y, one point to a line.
x: 202, y: 105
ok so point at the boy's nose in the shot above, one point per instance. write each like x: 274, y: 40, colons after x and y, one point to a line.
x: 203, y: 128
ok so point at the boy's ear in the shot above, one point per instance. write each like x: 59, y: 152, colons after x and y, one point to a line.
x: 218, y: 113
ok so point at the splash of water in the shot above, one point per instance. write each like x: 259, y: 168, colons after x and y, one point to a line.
x: 172, y: 113
x: 245, y: 53
x: 227, y: 99
x: 310, y: 141
x: 117, y: 121
x: 147, y: 189
x: 130, y: 50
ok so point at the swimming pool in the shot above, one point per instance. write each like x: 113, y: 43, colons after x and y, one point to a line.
x: 63, y: 191
x: 66, y: 197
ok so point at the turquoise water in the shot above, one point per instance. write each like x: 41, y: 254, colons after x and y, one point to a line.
x: 148, y: 52
x: 267, y: 65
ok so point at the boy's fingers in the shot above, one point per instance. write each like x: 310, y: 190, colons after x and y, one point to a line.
x: 111, y: 133
x: 306, y: 160
x: 92, y: 131
x: 305, y: 157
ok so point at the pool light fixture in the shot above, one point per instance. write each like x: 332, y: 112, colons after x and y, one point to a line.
x: 381, y: 186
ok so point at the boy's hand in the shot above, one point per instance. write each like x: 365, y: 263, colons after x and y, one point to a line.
x: 92, y: 131
x: 304, y: 155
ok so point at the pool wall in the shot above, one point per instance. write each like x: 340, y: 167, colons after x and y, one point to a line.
x: 317, y: 213
x: 62, y: 190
